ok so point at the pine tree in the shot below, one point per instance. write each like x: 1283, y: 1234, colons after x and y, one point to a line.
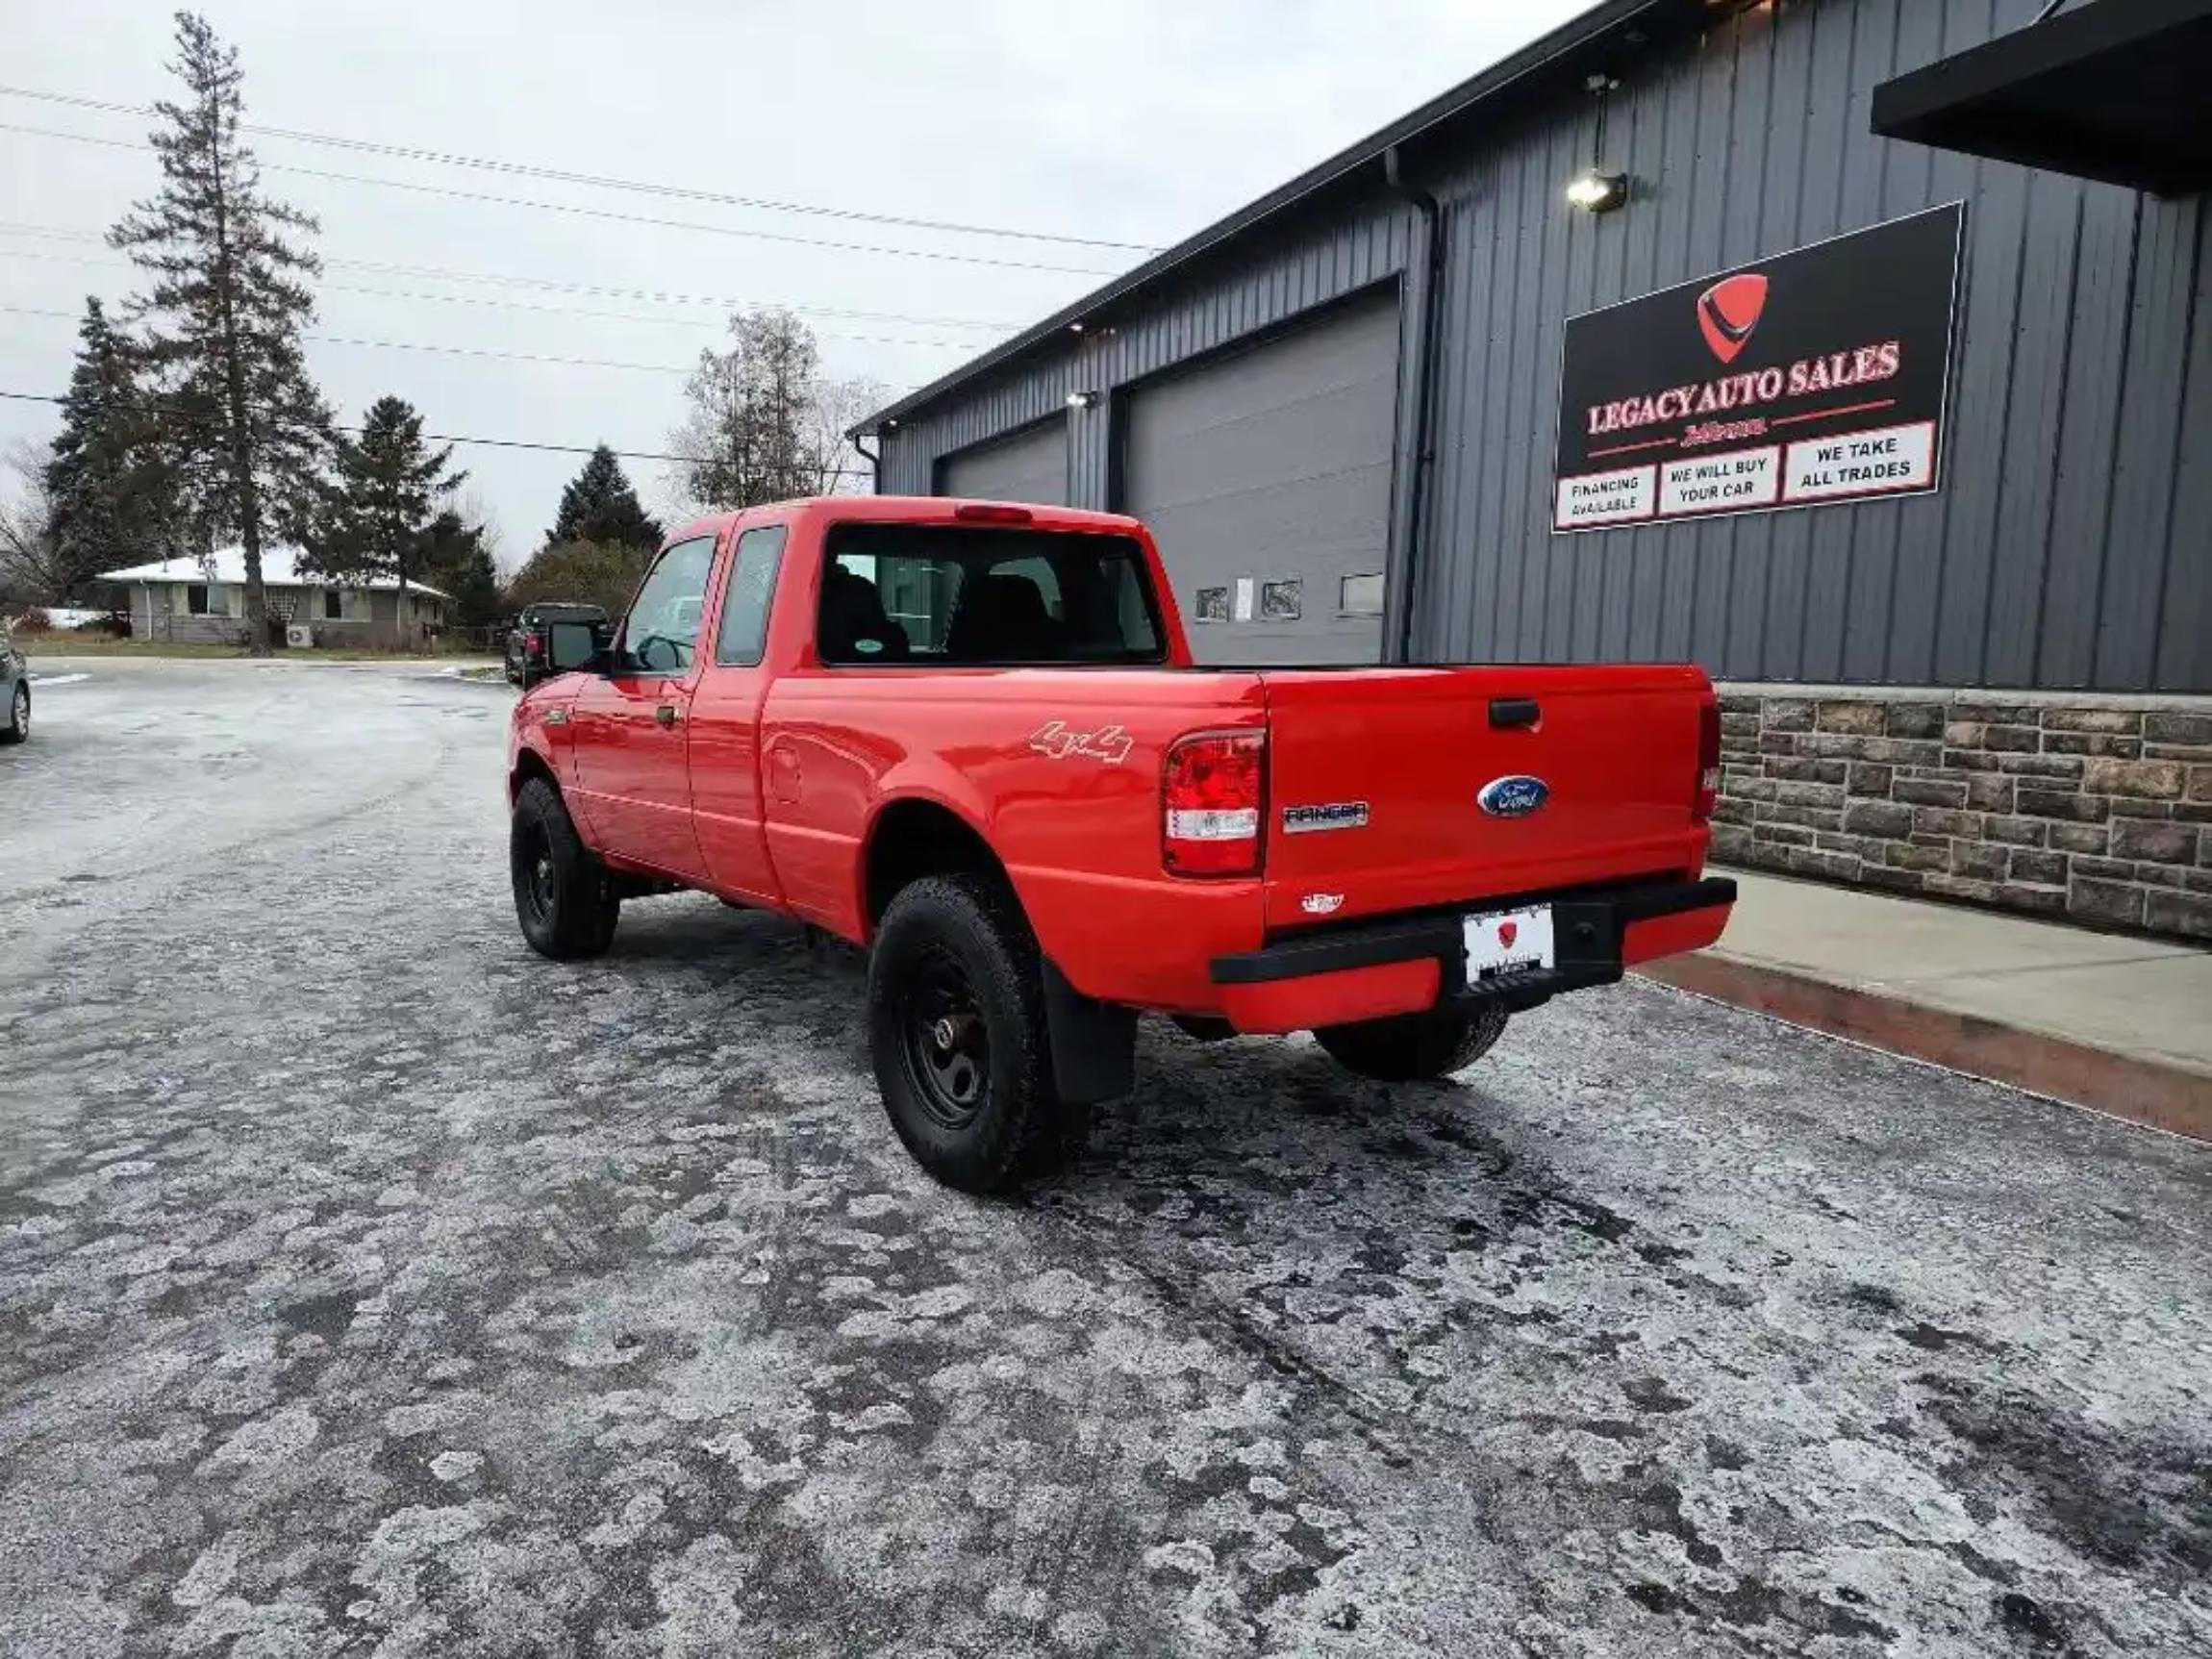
x: 458, y: 560
x: 228, y: 302
x: 379, y: 523
x: 598, y: 505
x: 113, y: 491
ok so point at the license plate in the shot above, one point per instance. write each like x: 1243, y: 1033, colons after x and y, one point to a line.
x: 1505, y: 941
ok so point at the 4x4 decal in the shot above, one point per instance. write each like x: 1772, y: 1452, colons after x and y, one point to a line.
x: 1056, y: 743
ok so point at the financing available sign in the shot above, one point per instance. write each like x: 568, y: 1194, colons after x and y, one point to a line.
x: 1812, y: 377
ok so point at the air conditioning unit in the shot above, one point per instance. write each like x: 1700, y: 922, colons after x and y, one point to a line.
x: 299, y: 635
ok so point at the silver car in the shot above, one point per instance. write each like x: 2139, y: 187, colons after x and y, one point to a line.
x: 14, y: 686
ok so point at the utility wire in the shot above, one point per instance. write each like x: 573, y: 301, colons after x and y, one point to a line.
x: 542, y: 284
x: 594, y: 213
x: 600, y: 181
x: 714, y: 324
x: 511, y: 355
x: 483, y: 442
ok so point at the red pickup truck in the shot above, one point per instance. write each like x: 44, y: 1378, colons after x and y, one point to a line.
x: 969, y: 736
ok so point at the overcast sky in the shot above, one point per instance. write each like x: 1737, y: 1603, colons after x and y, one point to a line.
x: 1125, y: 120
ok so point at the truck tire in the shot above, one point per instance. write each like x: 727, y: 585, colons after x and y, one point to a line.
x: 1415, y: 1047
x: 957, y: 1031
x: 17, y: 726
x: 562, y: 897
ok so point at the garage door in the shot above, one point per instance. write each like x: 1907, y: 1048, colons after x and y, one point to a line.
x: 1266, y: 478
x: 1029, y: 466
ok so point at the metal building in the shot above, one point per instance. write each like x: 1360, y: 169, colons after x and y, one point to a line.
x: 1353, y: 411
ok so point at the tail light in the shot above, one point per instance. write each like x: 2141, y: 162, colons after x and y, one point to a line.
x: 991, y: 513
x: 1213, y: 796
x: 1708, y: 795
x: 533, y: 644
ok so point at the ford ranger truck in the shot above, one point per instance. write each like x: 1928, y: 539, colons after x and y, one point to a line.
x: 969, y: 737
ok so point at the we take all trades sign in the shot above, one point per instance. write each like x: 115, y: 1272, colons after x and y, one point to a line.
x: 1812, y: 377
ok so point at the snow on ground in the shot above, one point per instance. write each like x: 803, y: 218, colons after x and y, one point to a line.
x: 368, y: 1284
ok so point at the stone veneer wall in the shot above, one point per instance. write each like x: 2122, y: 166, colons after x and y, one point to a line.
x: 2088, y: 808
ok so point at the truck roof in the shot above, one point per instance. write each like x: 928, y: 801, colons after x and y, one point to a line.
x: 910, y: 510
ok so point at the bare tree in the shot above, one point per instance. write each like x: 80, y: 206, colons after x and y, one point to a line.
x: 31, y: 565
x: 766, y: 423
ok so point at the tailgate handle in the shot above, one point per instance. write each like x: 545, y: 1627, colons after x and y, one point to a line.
x: 1506, y: 713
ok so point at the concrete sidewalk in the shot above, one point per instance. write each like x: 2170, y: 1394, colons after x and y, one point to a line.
x: 2120, y: 1024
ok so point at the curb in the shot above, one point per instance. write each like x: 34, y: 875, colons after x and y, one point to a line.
x: 2146, y: 1092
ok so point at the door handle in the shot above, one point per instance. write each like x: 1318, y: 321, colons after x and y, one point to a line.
x: 664, y: 715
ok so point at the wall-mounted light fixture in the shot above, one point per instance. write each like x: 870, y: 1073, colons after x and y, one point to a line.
x: 1595, y: 190
x: 1599, y: 192
x: 1083, y: 400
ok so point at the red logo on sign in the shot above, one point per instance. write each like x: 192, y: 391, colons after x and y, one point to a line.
x: 1507, y: 932
x: 1730, y: 310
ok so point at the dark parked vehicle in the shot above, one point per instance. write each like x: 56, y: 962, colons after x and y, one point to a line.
x: 526, y: 638
x: 14, y: 690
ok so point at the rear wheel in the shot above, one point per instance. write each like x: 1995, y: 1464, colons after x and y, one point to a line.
x: 1414, y: 1047
x: 562, y: 897
x: 957, y: 1031
x: 19, y: 725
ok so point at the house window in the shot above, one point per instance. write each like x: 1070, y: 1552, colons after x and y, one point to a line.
x: 1212, y: 605
x: 196, y: 600
x: 333, y: 604
x: 1360, y: 596
x: 1282, y: 601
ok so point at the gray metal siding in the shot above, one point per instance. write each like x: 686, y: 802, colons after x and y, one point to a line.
x: 1274, y: 463
x: 1028, y: 466
x: 2069, y: 542
x: 1275, y: 281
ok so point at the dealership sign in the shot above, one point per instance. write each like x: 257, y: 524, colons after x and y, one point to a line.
x: 1811, y: 377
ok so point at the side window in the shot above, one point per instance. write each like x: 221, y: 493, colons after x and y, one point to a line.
x: 663, y: 621
x: 752, y: 586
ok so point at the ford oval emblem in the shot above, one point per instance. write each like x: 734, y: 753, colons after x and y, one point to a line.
x: 1513, y: 797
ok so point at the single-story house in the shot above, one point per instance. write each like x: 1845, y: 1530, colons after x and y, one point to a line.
x: 204, y: 601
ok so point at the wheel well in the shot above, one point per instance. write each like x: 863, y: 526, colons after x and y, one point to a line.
x: 528, y: 764
x: 915, y: 838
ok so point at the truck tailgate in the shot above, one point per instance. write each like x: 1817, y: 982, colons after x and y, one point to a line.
x: 1374, y: 774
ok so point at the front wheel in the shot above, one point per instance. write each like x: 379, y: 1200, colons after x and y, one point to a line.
x: 957, y: 1031
x: 1415, y: 1047
x: 563, y: 898
x: 18, y: 726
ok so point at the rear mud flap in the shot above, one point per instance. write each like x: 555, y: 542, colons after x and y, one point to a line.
x: 1094, y: 1044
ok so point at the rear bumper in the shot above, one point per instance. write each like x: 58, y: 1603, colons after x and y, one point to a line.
x: 1370, y: 970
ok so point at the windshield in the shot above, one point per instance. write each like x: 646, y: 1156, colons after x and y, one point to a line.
x: 977, y: 597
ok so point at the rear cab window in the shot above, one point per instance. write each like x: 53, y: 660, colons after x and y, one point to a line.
x: 747, y: 596
x: 985, y: 596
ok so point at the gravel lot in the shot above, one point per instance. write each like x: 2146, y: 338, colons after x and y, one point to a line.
x: 371, y: 1286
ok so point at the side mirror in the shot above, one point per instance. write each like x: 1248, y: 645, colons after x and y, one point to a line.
x: 574, y: 646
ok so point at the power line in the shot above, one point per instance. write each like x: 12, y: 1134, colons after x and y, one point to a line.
x: 607, y: 213
x: 715, y: 323
x: 550, y: 285
x: 488, y: 442
x: 600, y: 180
x: 511, y: 355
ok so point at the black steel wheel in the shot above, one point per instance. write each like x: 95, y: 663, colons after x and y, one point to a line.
x: 957, y: 1031
x: 947, y: 1039
x: 566, y: 906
